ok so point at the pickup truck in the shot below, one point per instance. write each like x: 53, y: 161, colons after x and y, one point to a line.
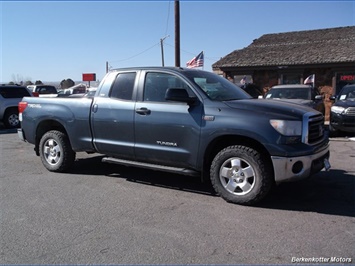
x: 186, y: 121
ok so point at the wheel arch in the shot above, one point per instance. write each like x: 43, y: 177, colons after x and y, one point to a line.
x: 45, y: 126
x: 7, y: 112
x: 224, y: 141
x: 11, y: 108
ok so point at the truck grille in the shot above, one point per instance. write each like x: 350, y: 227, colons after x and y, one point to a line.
x: 350, y: 111
x: 315, y: 129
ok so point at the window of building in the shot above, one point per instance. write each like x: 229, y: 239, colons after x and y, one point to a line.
x: 343, y: 79
x: 291, y: 79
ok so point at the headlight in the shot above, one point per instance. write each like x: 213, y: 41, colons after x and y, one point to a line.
x: 287, y: 127
x: 337, y: 109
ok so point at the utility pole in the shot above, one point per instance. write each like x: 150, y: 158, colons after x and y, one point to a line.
x: 162, y: 49
x: 177, y: 33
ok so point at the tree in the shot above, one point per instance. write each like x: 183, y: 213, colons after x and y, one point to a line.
x: 38, y: 82
x: 66, y: 83
x: 19, y: 79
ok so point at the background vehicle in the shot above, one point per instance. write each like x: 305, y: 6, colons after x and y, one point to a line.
x: 76, y: 89
x: 10, y: 96
x: 43, y: 90
x: 342, y: 112
x: 297, y: 93
x: 184, y: 121
x: 90, y: 92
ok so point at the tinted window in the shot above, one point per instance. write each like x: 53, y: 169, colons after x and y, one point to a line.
x: 156, y: 85
x: 46, y: 90
x: 123, y: 86
x: 14, y: 92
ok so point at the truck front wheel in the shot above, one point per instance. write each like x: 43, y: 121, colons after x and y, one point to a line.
x: 55, y: 151
x: 240, y: 175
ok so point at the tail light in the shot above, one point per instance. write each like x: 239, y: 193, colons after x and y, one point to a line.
x: 35, y: 94
x: 21, y: 107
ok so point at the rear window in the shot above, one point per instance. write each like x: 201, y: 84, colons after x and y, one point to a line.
x: 14, y: 92
x: 46, y: 90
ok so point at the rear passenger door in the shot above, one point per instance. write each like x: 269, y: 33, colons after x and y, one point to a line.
x: 112, y: 116
x: 166, y: 132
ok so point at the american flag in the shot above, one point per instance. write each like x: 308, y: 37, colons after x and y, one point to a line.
x: 197, y: 61
x: 310, y: 79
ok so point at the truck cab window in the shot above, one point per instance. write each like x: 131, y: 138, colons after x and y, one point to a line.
x: 123, y: 86
x: 156, y: 85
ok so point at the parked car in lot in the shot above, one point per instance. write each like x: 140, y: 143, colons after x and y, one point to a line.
x: 342, y: 113
x: 297, y: 93
x: 76, y: 89
x: 10, y: 96
x: 43, y: 90
x: 88, y: 94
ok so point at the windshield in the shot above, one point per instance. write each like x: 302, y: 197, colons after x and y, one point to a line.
x: 216, y: 87
x: 289, y: 93
x: 347, y: 94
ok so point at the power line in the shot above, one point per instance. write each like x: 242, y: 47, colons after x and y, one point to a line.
x: 121, y: 60
x: 167, y: 20
x: 159, y: 43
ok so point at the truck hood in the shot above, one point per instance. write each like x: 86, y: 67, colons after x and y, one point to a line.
x: 298, y: 101
x: 271, y: 107
x: 345, y: 103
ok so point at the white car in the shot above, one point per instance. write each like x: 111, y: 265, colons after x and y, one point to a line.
x: 76, y: 89
x: 43, y: 90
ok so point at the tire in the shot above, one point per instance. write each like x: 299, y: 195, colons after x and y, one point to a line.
x: 332, y: 131
x: 240, y: 175
x: 56, y: 152
x: 11, y: 119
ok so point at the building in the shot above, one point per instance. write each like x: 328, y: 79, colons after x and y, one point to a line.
x: 290, y: 57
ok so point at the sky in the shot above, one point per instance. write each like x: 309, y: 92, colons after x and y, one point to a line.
x: 56, y: 40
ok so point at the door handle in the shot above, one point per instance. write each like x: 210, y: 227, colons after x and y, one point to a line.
x: 94, y: 108
x: 143, y: 111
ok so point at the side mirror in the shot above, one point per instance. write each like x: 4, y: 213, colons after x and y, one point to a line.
x: 179, y: 95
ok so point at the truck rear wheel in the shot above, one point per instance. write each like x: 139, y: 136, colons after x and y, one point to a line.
x: 56, y: 152
x: 240, y: 175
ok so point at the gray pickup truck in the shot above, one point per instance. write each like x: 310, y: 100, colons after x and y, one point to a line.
x: 184, y: 121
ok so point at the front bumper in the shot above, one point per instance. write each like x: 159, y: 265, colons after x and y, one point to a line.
x: 342, y: 122
x: 296, y: 168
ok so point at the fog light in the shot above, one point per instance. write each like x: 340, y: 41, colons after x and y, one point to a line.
x: 297, y: 167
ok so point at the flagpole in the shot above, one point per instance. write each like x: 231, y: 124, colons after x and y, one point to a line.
x: 203, y: 66
x: 314, y: 80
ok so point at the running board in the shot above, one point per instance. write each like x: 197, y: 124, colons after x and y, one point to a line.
x: 176, y: 170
